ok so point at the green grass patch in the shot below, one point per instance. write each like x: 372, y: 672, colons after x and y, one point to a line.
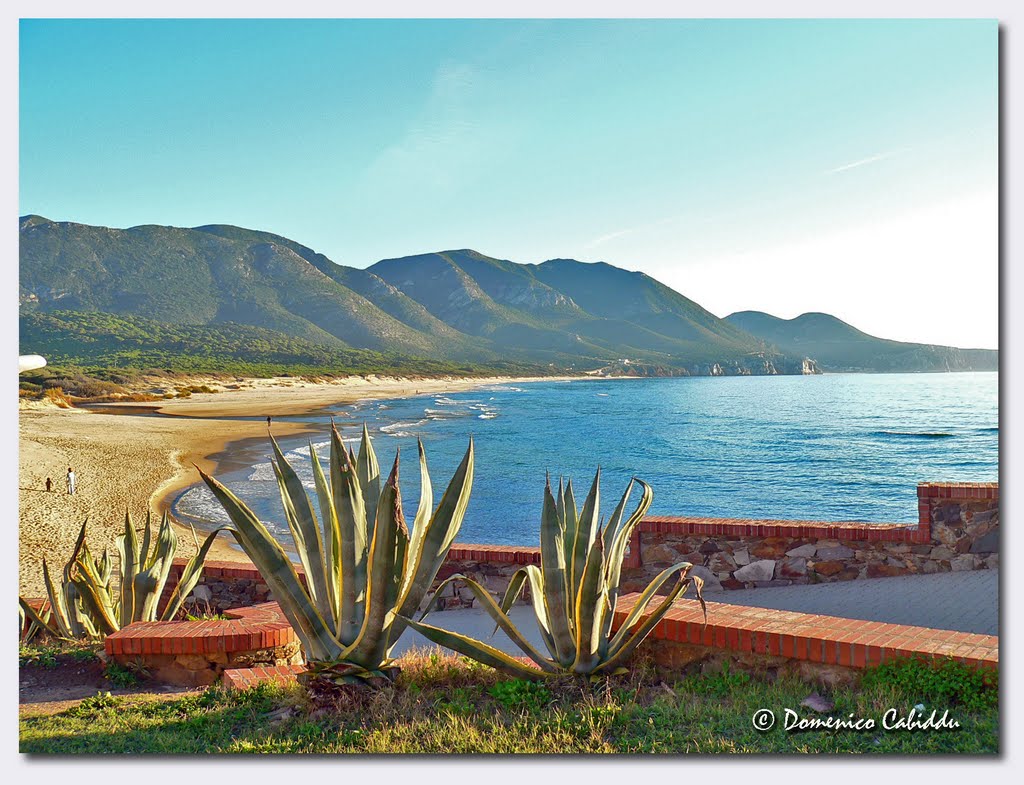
x: 446, y: 705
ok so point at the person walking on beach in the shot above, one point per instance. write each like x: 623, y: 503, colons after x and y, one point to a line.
x: 49, y: 484
x: 71, y: 481
x: 268, y: 421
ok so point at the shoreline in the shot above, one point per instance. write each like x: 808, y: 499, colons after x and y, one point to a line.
x: 145, y: 459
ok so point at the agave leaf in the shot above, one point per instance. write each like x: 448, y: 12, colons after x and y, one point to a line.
x: 479, y: 651
x: 585, y: 530
x: 618, y: 550
x: 143, y: 553
x: 590, y: 604
x: 131, y: 563
x: 332, y: 537
x: 368, y: 472
x: 58, y: 605
x: 423, y: 515
x: 42, y: 620
x: 149, y: 589
x: 304, y: 528
x: 439, y: 532
x: 621, y: 652
x: 612, y: 529
x: 532, y: 573
x: 644, y: 599
x: 189, y: 576
x: 95, y: 599
x: 553, y: 567
x: 386, y: 567
x: 503, y: 621
x: 348, y: 502
x: 279, y: 574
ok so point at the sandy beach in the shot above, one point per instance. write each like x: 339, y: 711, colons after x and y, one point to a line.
x: 124, y: 458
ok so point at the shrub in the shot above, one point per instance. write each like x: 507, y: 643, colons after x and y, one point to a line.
x: 943, y: 682
x: 56, y: 396
x: 364, y: 571
x: 574, y: 592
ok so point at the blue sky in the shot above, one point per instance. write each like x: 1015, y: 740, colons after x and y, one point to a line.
x: 787, y: 166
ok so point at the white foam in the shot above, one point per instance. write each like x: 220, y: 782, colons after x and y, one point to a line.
x: 399, y: 426
x: 262, y: 472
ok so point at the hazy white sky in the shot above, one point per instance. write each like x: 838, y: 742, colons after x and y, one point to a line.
x: 846, y: 166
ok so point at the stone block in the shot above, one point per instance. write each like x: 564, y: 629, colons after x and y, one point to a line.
x: 963, y: 545
x: 827, y: 568
x: 886, y: 571
x: 659, y: 553
x: 837, y: 553
x: 987, y: 543
x: 804, y: 552
x: 741, y: 557
x: 192, y: 662
x: 711, y: 582
x: 793, y: 567
x: 962, y: 563
x: 762, y: 570
x: 708, y: 547
x: 721, y: 562
x: 202, y: 593
x: 942, y: 553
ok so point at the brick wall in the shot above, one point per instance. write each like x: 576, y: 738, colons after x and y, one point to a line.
x: 957, y: 529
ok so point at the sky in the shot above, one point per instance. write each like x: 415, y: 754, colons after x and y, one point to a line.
x: 846, y: 166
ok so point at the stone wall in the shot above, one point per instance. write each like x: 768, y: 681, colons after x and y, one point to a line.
x: 957, y: 529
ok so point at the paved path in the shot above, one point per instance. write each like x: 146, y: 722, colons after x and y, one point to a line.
x: 962, y: 601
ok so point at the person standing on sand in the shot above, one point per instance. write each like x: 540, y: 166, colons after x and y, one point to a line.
x: 49, y: 484
x: 71, y: 481
x: 268, y: 421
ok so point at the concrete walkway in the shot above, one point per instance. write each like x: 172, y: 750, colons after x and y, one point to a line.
x: 961, y: 601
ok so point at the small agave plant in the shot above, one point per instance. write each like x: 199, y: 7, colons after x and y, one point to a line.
x: 574, y: 592
x: 89, y: 604
x: 364, y: 572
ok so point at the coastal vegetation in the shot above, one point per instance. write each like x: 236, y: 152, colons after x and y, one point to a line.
x: 574, y: 592
x: 445, y: 704
x: 89, y: 603
x: 93, y: 354
x: 364, y: 572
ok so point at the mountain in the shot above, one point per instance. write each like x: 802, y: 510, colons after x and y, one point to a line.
x: 838, y: 346
x: 182, y: 298
x: 563, y: 307
x: 458, y: 306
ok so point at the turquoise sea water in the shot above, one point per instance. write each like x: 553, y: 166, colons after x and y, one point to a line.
x: 835, y: 447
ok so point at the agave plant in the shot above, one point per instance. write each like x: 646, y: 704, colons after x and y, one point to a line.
x: 574, y: 592
x: 363, y: 571
x: 87, y: 604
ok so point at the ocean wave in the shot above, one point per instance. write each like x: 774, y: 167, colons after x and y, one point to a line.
x: 915, y: 434
x: 487, y: 416
x: 262, y: 472
x: 397, y: 428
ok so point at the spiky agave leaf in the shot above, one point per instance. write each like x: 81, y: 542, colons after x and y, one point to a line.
x: 276, y: 569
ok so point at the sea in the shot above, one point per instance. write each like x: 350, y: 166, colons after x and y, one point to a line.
x: 833, y: 447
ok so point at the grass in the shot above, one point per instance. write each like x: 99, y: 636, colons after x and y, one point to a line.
x: 444, y: 704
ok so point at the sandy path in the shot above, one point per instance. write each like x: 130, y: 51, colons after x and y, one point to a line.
x: 134, y: 461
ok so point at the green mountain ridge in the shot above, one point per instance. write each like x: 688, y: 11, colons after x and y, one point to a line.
x: 455, y: 308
